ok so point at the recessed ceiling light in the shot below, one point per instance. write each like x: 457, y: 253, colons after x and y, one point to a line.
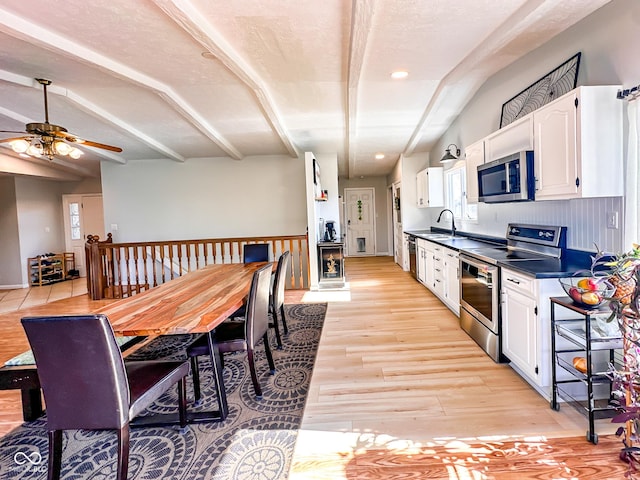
x: 400, y: 74
x: 209, y: 56
x: 379, y: 156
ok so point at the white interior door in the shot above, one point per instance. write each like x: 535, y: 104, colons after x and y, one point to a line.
x: 360, y: 217
x: 83, y: 215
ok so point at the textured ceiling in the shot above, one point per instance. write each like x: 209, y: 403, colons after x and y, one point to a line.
x: 280, y: 77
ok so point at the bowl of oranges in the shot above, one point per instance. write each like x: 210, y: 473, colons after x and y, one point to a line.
x: 587, y: 292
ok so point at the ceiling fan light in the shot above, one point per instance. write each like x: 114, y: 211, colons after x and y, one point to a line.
x: 62, y: 148
x: 19, y: 146
x: 75, y: 153
x: 34, y: 150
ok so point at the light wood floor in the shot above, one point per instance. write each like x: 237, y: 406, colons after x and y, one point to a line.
x: 396, y: 375
x: 399, y: 391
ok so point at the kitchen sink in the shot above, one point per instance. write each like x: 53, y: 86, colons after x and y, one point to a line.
x: 441, y: 236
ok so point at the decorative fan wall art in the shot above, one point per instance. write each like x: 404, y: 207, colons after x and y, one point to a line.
x: 553, y: 85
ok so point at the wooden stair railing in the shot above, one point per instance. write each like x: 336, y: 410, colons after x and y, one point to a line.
x: 117, y: 270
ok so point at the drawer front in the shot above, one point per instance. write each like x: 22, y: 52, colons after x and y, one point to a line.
x: 519, y: 282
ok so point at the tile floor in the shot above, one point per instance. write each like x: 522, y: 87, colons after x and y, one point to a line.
x: 12, y: 300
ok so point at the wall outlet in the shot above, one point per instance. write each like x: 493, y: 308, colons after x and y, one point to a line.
x: 612, y: 220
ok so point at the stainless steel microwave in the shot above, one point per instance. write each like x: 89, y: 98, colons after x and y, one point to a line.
x: 508, y: 179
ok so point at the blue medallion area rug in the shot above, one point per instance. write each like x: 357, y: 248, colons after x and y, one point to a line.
x: 255, y: 442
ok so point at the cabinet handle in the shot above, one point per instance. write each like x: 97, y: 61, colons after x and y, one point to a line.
x: 437, y: 280
x: 438, y: 270
x: 513, y: 281
x: 450, y: 255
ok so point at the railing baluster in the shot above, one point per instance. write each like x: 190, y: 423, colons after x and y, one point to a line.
x: 116, y: 268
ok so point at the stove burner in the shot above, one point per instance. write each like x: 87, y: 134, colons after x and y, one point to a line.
x: 493, y: 255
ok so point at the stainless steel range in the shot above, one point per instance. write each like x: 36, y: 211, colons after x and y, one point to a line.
x: 480, y: 279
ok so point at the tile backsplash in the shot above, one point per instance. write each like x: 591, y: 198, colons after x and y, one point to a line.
x: 585, y: 219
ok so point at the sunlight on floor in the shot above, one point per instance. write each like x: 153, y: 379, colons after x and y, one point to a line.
x: 342, y: 295
x: 339, y: 455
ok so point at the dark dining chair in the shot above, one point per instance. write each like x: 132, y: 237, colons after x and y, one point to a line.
x: 241, y: 335
x: 255, y: 252
x: 276, y: 299
x: 87, y: 385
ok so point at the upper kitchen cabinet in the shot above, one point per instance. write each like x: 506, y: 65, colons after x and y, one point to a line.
x: 515, y: 137
x: 578, y: 145
x: 474, y: 156
x: 430, y: 187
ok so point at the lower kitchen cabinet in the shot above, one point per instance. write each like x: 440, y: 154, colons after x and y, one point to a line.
x: 519, y: 324
x: 526, y: 326
x: 424, y: 262
x: 452, y: 280
x: 438, y: 269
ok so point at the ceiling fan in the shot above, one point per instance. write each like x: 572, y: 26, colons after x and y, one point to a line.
x: 47, y: 139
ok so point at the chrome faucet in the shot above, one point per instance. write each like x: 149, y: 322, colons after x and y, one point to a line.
x: 453, y: 223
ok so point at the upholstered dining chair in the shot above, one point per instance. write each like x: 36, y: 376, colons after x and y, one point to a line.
x: 276, y: 299
x: 241, y: 335
x: 255, y: 252
x: 87, y: 385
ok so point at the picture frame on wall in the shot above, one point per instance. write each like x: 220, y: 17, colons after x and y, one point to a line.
x: 316, y: 179
x: 554, y: 84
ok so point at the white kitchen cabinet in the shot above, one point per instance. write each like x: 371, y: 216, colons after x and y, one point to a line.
x: 452, y: 280
x: 474, y: 156
x: 430, y: 187
x: 420, y: 261
x: 438, y: 271
x: 424, y: 262
x: 526, y: 326
x: 513, y: 138
x: 578, y: 145
x: 520, y: 323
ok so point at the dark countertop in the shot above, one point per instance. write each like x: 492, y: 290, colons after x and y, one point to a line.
x: 552, y: 268
x: 573, y: 261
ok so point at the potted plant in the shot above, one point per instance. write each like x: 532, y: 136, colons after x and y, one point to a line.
x: 623, y: 272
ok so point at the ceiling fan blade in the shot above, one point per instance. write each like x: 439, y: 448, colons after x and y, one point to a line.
x: 74, y: 139
x: 13, y: 131
x: 89, y: 143
x: 4, y: 140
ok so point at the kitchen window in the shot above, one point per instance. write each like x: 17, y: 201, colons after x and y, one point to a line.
x: 455, y: 194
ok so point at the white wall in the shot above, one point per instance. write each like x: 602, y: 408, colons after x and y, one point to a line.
x: 11, y: 266
x: 414, y: 218
x: 327, y: 210
x: 40, y: 221
x: 608, y: 41
x: 204, y: 198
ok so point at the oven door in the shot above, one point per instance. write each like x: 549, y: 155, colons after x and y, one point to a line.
x: 480, y: 289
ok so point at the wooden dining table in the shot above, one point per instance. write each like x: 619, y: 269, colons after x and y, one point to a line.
x: 196, y: 302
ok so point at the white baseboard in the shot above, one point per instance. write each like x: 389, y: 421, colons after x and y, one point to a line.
x: 13, y: 287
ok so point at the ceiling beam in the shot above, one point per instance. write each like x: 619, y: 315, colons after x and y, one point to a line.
x: 361, y: 21
x: 184, y: 14
x: 20, y: 28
